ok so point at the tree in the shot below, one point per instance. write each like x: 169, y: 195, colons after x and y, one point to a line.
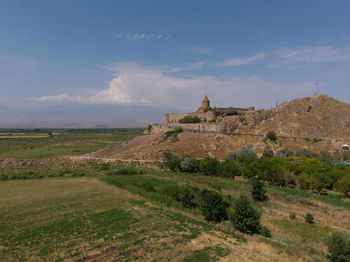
x: 245, y: 217
x: 271, y: 135
x: 187, y: 198
x: 258, y: 190
x: 172, y: 161
x: 229, y: 168
x: 343, y: 185
x: 189, y: 120
x: 309, y: 218
x: 285, y: 152
x: 338, y: 248
x: 213, y: 207
x: 209, y: 166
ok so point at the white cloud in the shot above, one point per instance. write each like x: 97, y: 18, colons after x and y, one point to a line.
x: 138, y: 85
x: 241, y: 61
x: 142, y: 36
x: 308, y: 55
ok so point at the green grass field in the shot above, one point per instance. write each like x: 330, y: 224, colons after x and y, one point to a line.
x: 88, y: 211
x: 39, y: 144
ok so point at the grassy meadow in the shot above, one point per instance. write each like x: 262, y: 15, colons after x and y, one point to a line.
x: 91, y: 211
x: 35, y: 144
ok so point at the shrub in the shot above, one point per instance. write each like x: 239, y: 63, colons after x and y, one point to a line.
x: 338, y: 248
x: 172, y: 161
x: 187, y: 198
x: 246, y: 156
x: 245, y: 217
x: 266, y: 232
x: 268, y: 152
x: 149, y: 128
x: 285, y: 152
x: 343, y: 185
x: 306, y: 153
x: 148, y: 187
x: 213, y: 207
x: 309, y: 218
x: 178, y: 129
x: 209, y: 166
x: 189, y: 164
x: 229, y: 168
x: 292, y: 216
x: 258, y: 190
x: 232, y: 156
x: 172, y: 191
x: 271, y: 135
x: 189, y: 120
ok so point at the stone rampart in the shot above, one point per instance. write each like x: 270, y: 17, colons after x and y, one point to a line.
x: 200, y: 127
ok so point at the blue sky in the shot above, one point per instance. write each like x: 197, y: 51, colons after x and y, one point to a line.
x: 171, y: 53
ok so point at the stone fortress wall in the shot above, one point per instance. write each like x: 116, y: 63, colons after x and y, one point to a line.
x: 211, y: 119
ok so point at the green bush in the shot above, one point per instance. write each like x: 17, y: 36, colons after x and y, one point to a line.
x: 189, y: 120
x: 173, y: 191
x: 229, y: 168
x: 189, y: 164
x: 309, y: 218
x: 245, y: 217
x: 268, y: 152
x: 209, y: 166
x: 258, y: 191
x: 266, y: 232
x: 338, y: 247
x: 271, y: 135
x: 178, y: 129
x: 292, y: 216
x: 148, y: 187
x: 172, y: 161
x: 343, y: 185
x: 187, y: 198
x: 285, y: 152
x: 124, y: 171
x: 213, y: 207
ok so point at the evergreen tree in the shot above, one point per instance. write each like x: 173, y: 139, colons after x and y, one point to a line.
x: 213, y: 206
x: 309, y: 218
x: 245, y: 217
x: 338, y: 248
x: 258, y: 190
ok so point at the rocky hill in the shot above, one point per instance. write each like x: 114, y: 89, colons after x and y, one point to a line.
x: 318, y: 116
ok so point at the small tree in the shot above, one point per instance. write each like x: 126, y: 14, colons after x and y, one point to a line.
x: 209, y: 166
x: 258, y: 190
x: 187, y: 198
x: 172, y: 161
x: 343, y: 185
x: 338, y: 248
x: 309, y: 218
x: 245, y: 217
x: 271, y: 135
x: 229, y: 168
x: 285, y: 152
x: 213, y: 206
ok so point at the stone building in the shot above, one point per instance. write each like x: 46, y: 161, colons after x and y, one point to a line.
x: 206, y: 113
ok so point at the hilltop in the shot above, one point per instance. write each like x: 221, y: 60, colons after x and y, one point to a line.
x: 318, y: 123
x: 316, y: 116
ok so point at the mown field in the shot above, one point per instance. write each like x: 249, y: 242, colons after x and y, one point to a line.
x: 130, y: 217
x: 34, y: 144
x: 91, y: 211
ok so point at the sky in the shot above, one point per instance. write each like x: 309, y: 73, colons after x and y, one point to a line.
x: 166, y: 55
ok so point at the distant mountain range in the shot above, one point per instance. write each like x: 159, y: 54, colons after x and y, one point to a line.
x: 81, y: 116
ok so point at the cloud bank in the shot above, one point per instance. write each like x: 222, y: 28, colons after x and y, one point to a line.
x: 135, y: 84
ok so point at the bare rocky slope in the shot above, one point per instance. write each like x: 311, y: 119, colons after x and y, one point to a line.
x: 297, y: 123
x: 318, y: 116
